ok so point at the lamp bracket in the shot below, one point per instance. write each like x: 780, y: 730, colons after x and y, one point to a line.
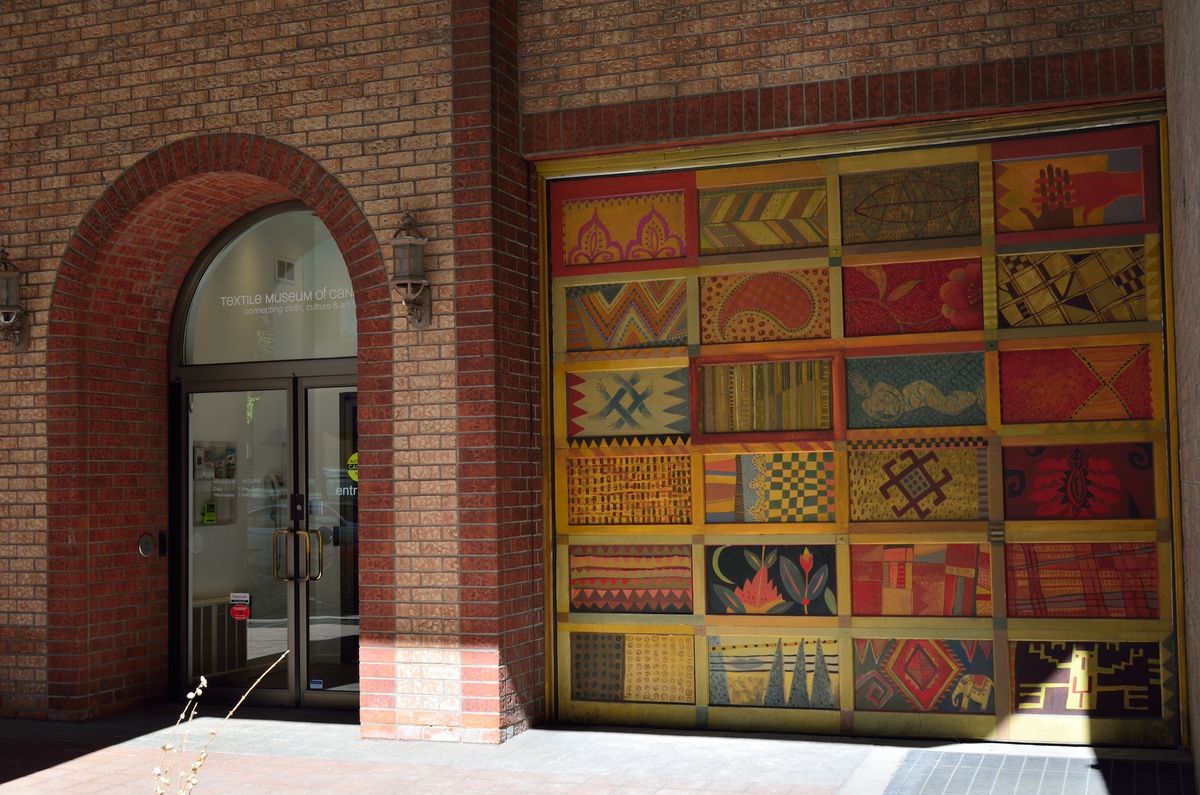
x: 413, y: 296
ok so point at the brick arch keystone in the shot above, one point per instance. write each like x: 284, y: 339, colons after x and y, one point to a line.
x: 107, y: 354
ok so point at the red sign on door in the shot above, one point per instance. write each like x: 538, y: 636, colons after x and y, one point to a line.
x: 239, y: 612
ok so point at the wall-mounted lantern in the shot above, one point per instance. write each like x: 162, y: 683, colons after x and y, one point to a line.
x: 408, y: 276
x: 12, y: 315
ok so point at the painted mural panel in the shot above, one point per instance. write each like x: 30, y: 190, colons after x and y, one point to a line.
x: 766, y: 396
x: 1064, y: 288
x: 1076, y: 384
x: 910, y: 204
x: 644, y: 402
x: 1115, y: 679
x: 921, y: 579
x: 650, y: 314
x: 1086, y: 481
x: 786, y: 672
x: 631, y: 578
x: 617, y: 667
x: 915, y: 391
x: 764, y: 579
x: 913, y: 297
x: 1082, y: 580
x: 922, y: 675
x: 1071, y: 182
x: 630, y: 228
x: 646, y: 489
x: 769, y: 487
x: 763, y: 217
x: 760, y: 307
x: 938, y: 482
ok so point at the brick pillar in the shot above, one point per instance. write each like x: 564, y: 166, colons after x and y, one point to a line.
x: 502, y: 583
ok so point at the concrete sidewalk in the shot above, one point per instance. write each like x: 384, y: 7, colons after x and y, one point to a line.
x: 264, y: 751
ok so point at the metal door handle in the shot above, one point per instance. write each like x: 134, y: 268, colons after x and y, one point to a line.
x: 275, y: 555
x: 307, y: 557
x: 320, y: 554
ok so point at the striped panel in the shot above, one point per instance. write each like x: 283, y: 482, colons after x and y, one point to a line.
x: 763, y: 218
x: 766, y: 396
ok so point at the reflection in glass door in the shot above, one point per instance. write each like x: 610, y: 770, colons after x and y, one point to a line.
x: 273, y: 557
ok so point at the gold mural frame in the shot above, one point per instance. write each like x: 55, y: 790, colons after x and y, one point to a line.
x: 864, y: 151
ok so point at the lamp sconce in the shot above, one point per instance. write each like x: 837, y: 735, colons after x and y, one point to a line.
x: 13, y: 320
x: 408, y: 276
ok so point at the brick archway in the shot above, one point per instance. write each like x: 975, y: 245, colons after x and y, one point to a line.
x: 109, y: 327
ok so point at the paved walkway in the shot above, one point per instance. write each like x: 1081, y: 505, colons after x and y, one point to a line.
x: 266, y: 751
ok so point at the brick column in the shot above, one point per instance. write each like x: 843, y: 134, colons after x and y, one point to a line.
x: 498, y: 379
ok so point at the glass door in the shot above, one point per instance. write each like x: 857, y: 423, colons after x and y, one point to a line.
x: 272, y: 552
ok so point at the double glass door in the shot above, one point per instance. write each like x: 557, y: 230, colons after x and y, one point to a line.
x: 271, y: 491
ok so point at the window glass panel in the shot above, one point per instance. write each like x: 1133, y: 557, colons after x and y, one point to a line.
x: 279, y: 291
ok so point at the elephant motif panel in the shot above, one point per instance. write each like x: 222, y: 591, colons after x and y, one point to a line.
x: 612, y: 578
x: 1072, y: 482
x: 760, y: 307
x: 764, y: 217
x: 1073, y: 182
x: 1082, y: 580
x: 1088, y: 679
x: 920, y: 675
x: 910, y: 204
x: 913, y: 297
x: 615, y: 667
x: 1072, y: 287
x: 771, y: 580
x: 902, y: 484
x: 766, y: 396
x: 769, y: 487
x: 921, y: 579
x: 647, y: 489
x: 915, y: 391
x: 794, y: 673
x: 649, y: 314
x: 608, y: 404
x: 1076, y: 384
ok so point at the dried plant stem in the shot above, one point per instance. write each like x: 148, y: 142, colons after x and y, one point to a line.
x: 229, y: 714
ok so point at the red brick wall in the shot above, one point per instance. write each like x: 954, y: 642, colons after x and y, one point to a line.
x: 605, y: 75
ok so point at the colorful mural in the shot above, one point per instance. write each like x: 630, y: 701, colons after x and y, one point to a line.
x: 616, y: 578
x: 1084, y: 481
x: 1098, y: 680
x: 796, y: 673
x: 918, y: 675
x: 769, y: 487
x: 899, y: 409
x: 1082, y: 580
x: 774, y: 580
x: 921, y: 579
x: 760, y: 307
x: 913, y: 297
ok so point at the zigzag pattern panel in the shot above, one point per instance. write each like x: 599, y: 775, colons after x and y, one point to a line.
x: 612, y: 578
x: 1089, y: 679
x: 920, y: 675
x: 794, y: 673
x: 921, y: 579
x: 1072, y: 287
x: 789, y: 215
x: 766, y: 396
x: 622, y: 315
x: 760, y: 307
x: 1076, y: 384
x: 645, y: 402
x: 645, y: 489
x: 769, y: 487
x: 1082, y: 580
x: 910, y: 204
